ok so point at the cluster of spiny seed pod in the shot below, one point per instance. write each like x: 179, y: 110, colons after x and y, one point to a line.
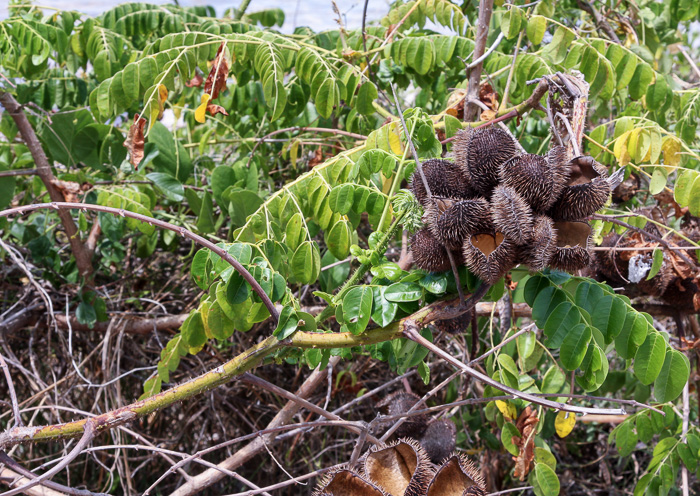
x: 494, y: 207
x: 403, y: 468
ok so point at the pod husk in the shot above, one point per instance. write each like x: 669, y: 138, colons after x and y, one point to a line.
x: 571, y: 252
x: 586, y: 191
x: 445, y: 178
x: 401, y: 402
x: 400, y: 468
x: 535, y: 179
x: 345, y: 482
x: 489, y: 255
x: 428, y: 252
x: 479, y: 153
x: 439, y: 439
x: 538, y: 252
x: 511, y: 214
x: 457, y: 476
x: 451, y: 220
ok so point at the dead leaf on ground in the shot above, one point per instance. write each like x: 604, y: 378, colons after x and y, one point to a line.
x: 68, y: 189
x: 216, y: 80
x: 526, y: 425
x: 135, y: 141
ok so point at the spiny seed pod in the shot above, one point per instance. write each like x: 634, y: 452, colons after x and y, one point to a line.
x: 457, y: 476
x: 344, y: 482
x: 511, y: 215
x: 429, y: 254
x: 480, y: 152
x: 400, y: 468
x: 439, y: 439
x: 538, y: 252
x: 586, y: 191
x: 489, y: 256
x: 451, y: 220
x: 535, y: 179
x: 571, y: 252
x: 444, y: 178
x: 398, y: 403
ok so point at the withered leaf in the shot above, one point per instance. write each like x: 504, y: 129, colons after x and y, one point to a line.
x: 216, y: 109
x: 195, y: 82
x: 68, y: 189
x: 216, y: 80
x: 526, y: 425
x: 135, y: 141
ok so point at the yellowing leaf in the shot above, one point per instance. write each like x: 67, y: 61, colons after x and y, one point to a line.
x: 672, y: 149
x: 162, y: 96
x: 394, y: 140
x: 564, y: 423
x: 200, y: 113
x: 621, y: 153
x: 507, y: 409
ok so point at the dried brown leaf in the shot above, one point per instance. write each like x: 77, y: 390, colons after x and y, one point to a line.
x: 195, y: 82
x: 526, y: 425
x: 216, y: 109
x: 68, y: 189
x: 216, y: 80
x: 135, y: 141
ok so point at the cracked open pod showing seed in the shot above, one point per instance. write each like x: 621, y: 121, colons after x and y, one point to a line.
x: 400, y: 469
x: 344, y: 482
x: 586, y: 191
x: 571, y: 252
x: 489, y: 255
x: 457, y: 476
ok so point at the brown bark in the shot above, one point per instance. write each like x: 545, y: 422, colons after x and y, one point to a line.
x: 83, y: 257
x: 482, y: 32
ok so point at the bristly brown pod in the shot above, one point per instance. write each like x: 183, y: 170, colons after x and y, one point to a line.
x: 571, y: 252
x: 439, y: 439
x: 537, y: 180
x: 538, y: 252
x: 457, y: 476
x: 450, y: 220
x: 444, y: 178
x: 400, y: 402
x: 429, y: 254
x: 400, y: 469
x: 586, y: 191
x: 479, y: 153
x: 511, y: 215
x: 489, y: 255
x: 344, y: 482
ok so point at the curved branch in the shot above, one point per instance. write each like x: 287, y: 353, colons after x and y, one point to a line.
x: 61, y: 206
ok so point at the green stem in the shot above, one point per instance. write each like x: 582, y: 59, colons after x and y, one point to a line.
x: 361, y: 270
x: 241, y: 10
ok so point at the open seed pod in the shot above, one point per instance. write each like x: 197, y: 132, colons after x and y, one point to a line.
x: 401, y: 402
x: 538, y: 181
x: 444, y: 178
x: 480, y: 152
x: 489, y: 255
x: 457, y: 476
x: 450, y: 220
x: 571, y: 252
x: 344, y: 482
x: 400, y: 469
x: 586, y: 191
x: 439, y: 439
x: 657, y: 285
x: 511, y: 214
x: 429, y: 254
x: 538, y: 252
